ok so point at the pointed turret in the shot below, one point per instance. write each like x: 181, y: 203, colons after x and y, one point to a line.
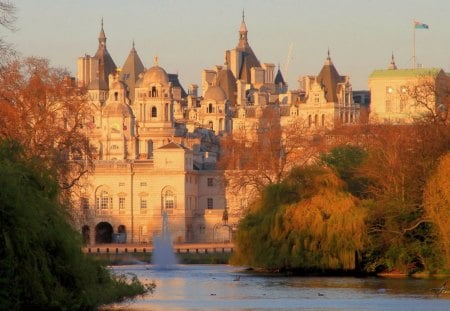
x: 392, y: 65
x: 102, y: 36
x: 131, y: 70
x: 329, y: 79
x: 279, y: 77
x: 106, y: 65
x: 247, y: 58
x: 280, y: 84
x: 243, y: 41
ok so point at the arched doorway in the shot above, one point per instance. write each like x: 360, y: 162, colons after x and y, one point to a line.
x: 103, y: 233
x: 86, y: 234
x: 121, y: 235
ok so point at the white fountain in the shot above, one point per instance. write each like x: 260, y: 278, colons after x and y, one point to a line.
x: 163, y: 256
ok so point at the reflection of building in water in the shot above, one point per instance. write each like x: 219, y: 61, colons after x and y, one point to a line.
x: 156, y: 146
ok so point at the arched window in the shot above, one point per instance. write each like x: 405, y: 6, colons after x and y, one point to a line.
x: 116, y: 96
x: 323, y: 120
x: 154, y: 92
x: 211, y: 125
x: 309, y: 120
x: 316, y: 120
x: 169, y: 200
x: 154, y: 112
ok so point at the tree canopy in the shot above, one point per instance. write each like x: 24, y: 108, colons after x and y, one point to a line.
x: 307, y: 222
x: 41, y: 263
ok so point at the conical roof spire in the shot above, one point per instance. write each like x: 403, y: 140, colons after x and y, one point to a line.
x: 243, y: 31
x: 243, y: 27
x: 392, y: 65
x: 106, y: 65
x: 328, y: 60
x: 279, y: 77
x: 102, y: 36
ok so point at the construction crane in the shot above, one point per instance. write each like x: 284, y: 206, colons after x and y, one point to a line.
x: 288, y: 60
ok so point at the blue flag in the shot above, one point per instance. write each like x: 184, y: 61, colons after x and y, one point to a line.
x: 419, y: 25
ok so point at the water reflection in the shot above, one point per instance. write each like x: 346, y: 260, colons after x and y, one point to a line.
x: 215, y: 287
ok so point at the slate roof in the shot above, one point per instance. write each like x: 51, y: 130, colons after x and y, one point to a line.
x: 227, y: 82
x: 279, y: 78
x: 130, y: 71
x: 173, y: 78
x: 329, y: 79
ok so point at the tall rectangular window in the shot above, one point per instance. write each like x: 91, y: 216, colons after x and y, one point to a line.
x: 210, y: 203
x: 210, y: 182
x: 104, y: 200
x: 143, y: 203
x: 122, y: 203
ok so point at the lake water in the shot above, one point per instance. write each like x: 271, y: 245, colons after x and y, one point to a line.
x: 214, y: 287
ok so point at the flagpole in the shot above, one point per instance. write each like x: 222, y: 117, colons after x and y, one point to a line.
x: 414, y: 45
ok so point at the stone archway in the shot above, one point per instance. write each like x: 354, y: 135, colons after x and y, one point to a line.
x: 121, y: 235
x: 121, y: 229
x: 86, y: 234
x: 103, y: 233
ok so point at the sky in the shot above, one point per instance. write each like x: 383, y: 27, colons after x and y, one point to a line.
x: 189, y: 36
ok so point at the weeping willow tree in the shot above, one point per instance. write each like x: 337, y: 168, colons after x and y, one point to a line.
x: 307, y: 222
x: 437, y: 205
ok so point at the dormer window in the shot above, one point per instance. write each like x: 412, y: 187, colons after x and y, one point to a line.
x: 154, y: 92
x: 116, y: 95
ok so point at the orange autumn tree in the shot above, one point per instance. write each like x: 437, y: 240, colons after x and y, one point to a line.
x: 43, y: 110
x: 263, y: 153
x: 437, y: 204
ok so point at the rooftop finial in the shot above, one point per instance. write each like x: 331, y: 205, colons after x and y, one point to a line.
x: 133, y: 43
x: 155, y: 60
x: 101, y: 36
x: 243, y: 15
x: 328, y: 53
x: 392, y: 65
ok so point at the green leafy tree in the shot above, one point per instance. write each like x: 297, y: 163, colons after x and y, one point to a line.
x: 346, y: 160
x: 41, y: 263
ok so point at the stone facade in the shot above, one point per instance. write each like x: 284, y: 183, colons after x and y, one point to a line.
x: 156, y: 147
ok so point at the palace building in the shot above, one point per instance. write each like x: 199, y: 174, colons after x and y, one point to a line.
x: 156, y: 147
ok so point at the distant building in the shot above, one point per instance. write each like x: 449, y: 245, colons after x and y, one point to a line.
x: 399, y: 96
x: 156, y: 146
x: 327, y: 99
